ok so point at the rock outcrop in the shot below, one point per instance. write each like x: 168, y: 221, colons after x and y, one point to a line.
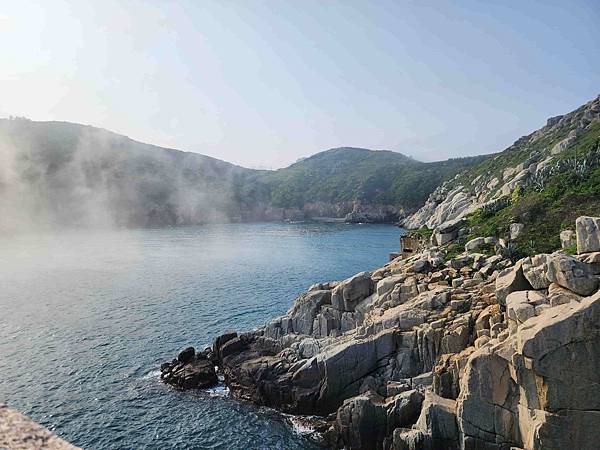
x: 430, y: 352
x: 190, y: 370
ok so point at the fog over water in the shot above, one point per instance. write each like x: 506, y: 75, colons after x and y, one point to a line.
x: 58, y: 174
x: 87, y: 316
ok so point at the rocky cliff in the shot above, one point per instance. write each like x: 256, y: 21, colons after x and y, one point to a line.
x: 567, y: 145
x: 434, y: 351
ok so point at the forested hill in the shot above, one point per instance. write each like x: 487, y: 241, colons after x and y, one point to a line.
x: 60, y: 173
x: 355, y: 174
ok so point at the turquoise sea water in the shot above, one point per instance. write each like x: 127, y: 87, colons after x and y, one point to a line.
x: 86, y: 318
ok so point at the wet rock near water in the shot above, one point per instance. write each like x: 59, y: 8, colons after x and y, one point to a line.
x: 190, y: 370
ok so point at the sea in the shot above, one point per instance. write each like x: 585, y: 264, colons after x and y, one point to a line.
x: 88, y: 316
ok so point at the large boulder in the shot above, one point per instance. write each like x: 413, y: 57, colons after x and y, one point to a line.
x: 568, y: 238
x: 446, y: 232
x: 523, y: 305
x: 515, y: 230
x: 438, y: 422
x: 474, y: 244
x: 572, y: 274
x: 588, y: 234
x: 535, y: 270
x: 367, y: 421
x: 350, y: 292
x: 511, y: 280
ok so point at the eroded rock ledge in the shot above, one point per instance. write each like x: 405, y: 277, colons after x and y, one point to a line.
x: 431, y: 352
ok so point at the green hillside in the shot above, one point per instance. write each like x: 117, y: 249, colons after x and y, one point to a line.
x: 61, y: 173
x: 372, y: 177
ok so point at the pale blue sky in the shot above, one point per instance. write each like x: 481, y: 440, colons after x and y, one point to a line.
x: 262, y: 83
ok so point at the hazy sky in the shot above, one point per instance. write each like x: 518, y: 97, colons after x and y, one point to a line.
x: 262, y: 83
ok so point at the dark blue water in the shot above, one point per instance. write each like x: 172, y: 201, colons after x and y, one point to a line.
x: 86, y: 318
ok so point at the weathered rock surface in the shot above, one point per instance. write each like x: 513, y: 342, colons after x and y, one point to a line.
x: 588, y: 234
x: 522, y: 392
x: 190, y: 370
x: 568, y: 238
x: 18, y: 432
x: 511, y: 280
x: 569, y: 273
x: 367, y: 421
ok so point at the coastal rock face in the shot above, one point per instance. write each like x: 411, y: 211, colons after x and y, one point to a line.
x: 364, y: 422
x: 521, y: 392
x: 430, y: 352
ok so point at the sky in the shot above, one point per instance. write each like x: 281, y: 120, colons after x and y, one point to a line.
x: 264, y: 83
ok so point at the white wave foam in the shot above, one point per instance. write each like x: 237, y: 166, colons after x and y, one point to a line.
x: 152, y: 374
x: 218, y: 391
x: 300, y: 425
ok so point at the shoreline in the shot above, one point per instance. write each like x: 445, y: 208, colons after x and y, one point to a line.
x: 390, y: 355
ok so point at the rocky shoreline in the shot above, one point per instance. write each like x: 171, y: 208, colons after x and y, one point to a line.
x: 433, y: 351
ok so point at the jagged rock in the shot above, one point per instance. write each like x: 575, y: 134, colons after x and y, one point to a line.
x: 521, y: 392
x: 569, y: 273
x: 305, y: 309
x: 523, y: 305
x: 515, y: 230
x: 420, y: 266
x: 190, y: 370
x: 407, y: 439
x: 592, y: 260
x: 588, y: 234
x: 535, y: 270
x: 438, y: 421
x: 186, y: 355
x: 568, y: 238
x: 448, y: 372
x: 385, y: 285
x: 323, y: 286
x: 365, y: 422
x: 511, y: 280
x: 558, y: 295
x: 350, y: 292
x: 483, y: 319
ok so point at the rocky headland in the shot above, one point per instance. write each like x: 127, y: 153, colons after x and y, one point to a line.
x: 483, y: 333
x: 432, y: 351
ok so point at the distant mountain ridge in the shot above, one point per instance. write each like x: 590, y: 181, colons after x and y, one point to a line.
x: 62, y: 173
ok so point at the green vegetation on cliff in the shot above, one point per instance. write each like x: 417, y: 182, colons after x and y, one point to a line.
x: 552, y: 201
x: 356, y: 174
